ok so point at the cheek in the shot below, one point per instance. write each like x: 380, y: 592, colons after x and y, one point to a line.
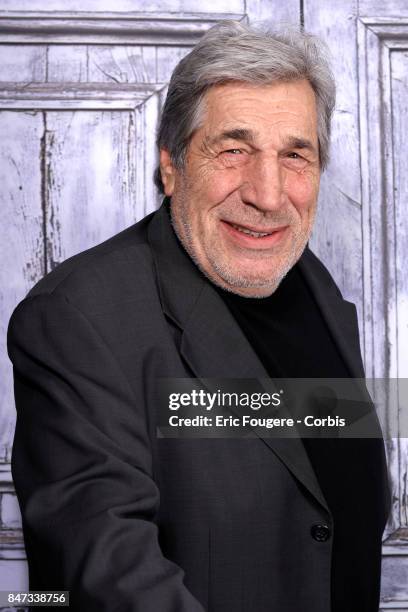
x: 215, y: 187
x: 302, y: 191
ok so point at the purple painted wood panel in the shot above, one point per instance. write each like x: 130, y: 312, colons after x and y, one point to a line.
x: 76, y: 167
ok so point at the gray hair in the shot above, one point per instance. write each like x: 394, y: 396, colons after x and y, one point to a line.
x: 231, y: 51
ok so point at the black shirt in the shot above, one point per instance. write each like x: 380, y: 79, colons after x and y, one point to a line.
x: 292, y: 340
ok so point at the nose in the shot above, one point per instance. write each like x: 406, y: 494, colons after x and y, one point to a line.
x: 263, y: 184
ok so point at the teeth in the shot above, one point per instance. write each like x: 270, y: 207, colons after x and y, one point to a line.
x: 247, y: 231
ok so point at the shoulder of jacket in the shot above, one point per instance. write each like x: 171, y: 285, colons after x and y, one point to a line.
x: 102, y: 267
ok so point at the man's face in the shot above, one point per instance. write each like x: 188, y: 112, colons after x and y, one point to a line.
x: 244, y: 203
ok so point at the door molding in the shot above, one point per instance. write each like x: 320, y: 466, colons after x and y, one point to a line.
x: 53, y: 27
x: 378, y: 39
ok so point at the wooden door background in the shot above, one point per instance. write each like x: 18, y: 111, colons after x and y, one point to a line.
x: 81, y: 86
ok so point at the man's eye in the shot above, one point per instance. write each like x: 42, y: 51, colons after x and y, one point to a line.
x: 233, y: 151
x: 294, y: 161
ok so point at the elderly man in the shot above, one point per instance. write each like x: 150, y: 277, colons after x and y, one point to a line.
x: 218, y: 283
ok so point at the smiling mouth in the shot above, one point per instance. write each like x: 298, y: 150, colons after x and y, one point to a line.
x: 252, y: 232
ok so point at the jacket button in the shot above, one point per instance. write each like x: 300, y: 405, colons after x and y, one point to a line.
x: 320, y: 533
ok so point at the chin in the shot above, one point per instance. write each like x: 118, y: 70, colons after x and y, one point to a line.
x: 247, y: 285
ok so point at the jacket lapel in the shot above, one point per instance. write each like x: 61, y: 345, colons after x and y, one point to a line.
x: 212, y: 342
x: 340, y: 315
x: 215, y: 347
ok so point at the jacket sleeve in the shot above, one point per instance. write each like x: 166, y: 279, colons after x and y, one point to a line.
x: 82, y: 468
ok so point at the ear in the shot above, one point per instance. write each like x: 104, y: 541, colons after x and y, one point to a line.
x: 167, y: 171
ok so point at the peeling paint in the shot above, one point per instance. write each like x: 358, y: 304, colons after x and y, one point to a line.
x: 44, y: 193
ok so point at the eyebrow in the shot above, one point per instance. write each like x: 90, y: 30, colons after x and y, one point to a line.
x: 244, y: 134
x: 234, y: 134
x: 294, y: 142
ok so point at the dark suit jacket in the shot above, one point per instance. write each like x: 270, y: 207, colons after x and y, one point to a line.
x: 129, y: 522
